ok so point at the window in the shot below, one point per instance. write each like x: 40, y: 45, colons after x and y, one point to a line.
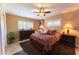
x: 25, y: 25
x: 54, y: 23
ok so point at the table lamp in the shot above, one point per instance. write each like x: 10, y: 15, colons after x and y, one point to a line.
x: 68, y: 27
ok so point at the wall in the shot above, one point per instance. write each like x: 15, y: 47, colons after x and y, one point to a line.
x: 12, y: 23
x: 72, y: 18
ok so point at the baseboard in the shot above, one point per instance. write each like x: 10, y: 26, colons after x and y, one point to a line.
x: 3, y: 51
x: 24, y: 40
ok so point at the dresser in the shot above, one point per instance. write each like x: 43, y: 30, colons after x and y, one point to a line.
x: 25, y: 34
x: 68, y: 40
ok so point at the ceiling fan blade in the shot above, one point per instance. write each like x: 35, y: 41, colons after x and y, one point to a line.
x: 35, y: 10
x: 48, y: 12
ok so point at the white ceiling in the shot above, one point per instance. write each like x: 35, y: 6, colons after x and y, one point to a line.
x: 25, y: 9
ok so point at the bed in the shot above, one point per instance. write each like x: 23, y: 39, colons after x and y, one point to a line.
x: 45, y: 41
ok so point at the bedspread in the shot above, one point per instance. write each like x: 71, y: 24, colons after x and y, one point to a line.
x: 46, y: 40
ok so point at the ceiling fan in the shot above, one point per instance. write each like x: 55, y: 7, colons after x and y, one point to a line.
x: 42, y: 11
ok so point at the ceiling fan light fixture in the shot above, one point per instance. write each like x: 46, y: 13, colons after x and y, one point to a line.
x: 42, y: 11
x: 41, y: 14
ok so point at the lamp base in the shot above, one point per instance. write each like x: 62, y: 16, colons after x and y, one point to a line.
x: 68, y: 31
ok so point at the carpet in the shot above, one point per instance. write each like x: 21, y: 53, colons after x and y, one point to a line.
x: 58, y: 49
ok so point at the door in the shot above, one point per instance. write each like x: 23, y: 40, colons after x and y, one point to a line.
x: 0, y: 30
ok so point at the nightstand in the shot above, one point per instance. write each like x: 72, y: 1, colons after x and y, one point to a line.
x: 68, y: 40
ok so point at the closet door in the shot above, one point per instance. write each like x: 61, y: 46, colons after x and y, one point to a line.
x: 0, y: 29
x: 3, y: 36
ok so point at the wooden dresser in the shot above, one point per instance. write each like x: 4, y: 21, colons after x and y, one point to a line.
x: 25, y: 34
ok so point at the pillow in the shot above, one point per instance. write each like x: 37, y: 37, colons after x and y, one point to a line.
x: 43, y: 33
x: 51, y: 32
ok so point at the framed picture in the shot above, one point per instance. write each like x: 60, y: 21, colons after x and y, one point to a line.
x: 41, y: 22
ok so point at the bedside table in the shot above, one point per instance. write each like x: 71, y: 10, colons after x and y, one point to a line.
x: 68, y: 40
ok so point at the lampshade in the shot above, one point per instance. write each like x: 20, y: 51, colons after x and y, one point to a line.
x: 45, y: 27
x: 41, y: 27
x: 68, y: 26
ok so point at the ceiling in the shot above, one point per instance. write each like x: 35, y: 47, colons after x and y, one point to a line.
x: 26, y: 9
